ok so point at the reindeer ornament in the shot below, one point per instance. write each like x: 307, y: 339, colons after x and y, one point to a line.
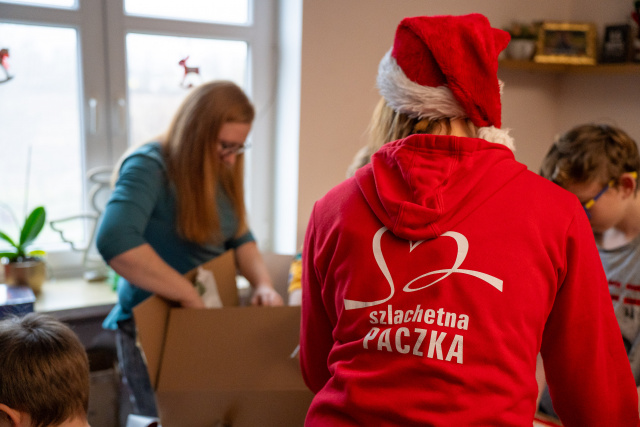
x: 4, y: 64
x: 188, y: 71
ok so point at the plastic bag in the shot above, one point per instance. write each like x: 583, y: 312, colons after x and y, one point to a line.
x: 207, y: 288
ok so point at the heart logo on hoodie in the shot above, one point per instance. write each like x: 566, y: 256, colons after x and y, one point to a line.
x: 463, y: 249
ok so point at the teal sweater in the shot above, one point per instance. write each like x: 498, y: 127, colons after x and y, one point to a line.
x: 142, y: 209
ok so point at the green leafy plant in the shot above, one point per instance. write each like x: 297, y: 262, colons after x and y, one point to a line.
x: 28, y: 233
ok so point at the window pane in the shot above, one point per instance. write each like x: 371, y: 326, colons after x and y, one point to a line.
x: 69, y: 4
x: 40, y: 128
x: 224, y: 11
x: 157, y: 83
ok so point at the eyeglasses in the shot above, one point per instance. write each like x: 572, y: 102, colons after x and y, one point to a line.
x: 589, y: 203
x: 227, y: 148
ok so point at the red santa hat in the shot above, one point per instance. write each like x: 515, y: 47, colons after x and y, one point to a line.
x: 446, y: 67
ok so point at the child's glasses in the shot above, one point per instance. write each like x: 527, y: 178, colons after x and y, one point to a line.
x: 589, y: 203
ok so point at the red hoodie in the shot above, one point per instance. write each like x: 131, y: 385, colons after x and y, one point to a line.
x: 432, y: 279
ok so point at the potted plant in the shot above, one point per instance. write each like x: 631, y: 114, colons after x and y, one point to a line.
x: 22, y: 267
x: 523, y: 40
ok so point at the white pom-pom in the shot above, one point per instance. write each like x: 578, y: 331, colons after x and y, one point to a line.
x: 498, y: 136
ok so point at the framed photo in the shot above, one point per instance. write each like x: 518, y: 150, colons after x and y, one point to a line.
x: 616, y: 46
x: 566, y: 43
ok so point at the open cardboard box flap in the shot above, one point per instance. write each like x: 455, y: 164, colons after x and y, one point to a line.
x: 232, y: 365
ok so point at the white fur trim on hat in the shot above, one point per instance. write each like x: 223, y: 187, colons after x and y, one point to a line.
x: 412, y: 99
x: 497, y: 136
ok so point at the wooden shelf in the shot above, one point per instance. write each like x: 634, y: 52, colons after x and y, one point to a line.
x: 603, y: 69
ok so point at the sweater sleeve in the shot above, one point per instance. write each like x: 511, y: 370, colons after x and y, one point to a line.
x: 128, y: 211
x: 587, y: 370
x: 236, y: 242
x: 316, y: 339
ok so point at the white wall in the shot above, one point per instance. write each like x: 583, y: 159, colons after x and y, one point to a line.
x: 343, y: 41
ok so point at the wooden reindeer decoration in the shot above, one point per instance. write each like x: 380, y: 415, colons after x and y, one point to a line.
x: 187, y: 70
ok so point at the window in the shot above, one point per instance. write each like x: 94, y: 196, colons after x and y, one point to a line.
x: 151, y: 77
x: 89, y: 78
x: 53, y: 3
x: 41, y: 133
x: 224, y: 11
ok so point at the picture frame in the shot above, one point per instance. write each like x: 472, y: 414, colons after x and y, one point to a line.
x: 616, y: 44
x: 572, y: 43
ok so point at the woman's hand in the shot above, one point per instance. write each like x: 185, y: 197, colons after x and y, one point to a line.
x: 265, y: 295
x: 144, y: 267
x: 252, y: 267
x: 193, y: 300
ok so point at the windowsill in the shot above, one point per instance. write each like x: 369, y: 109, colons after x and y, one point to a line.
x: 74, y: 294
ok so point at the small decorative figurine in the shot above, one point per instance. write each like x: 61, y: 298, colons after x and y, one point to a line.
x: 187, y: 71
x: 4, y: 64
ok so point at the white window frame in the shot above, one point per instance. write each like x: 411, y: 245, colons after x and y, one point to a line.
x: 102, y: 27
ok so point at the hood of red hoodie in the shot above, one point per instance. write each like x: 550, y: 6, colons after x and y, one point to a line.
x: 422, y: 186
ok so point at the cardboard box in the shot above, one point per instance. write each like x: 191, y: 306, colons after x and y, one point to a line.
x: 16, y: 300
x: 230, y: 366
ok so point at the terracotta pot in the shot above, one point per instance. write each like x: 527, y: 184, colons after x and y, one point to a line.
x: 26, y: 273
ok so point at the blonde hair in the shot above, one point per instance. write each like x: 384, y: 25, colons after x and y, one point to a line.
x: 389, y: 125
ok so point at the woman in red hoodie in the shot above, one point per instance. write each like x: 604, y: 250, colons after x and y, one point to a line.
x: 434, y: 276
